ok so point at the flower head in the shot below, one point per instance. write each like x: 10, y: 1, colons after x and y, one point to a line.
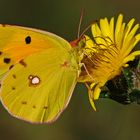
x: 109, y: 51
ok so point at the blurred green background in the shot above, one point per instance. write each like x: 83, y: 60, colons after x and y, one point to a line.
x: 112, y: 121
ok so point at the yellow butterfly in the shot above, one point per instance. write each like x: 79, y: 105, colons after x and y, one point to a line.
x: 38, y: 72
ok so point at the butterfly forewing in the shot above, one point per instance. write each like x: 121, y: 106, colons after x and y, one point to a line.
x: 16, y: 43
x: 39, y: 87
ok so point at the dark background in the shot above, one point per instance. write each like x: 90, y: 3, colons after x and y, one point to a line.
x: 112, y: 121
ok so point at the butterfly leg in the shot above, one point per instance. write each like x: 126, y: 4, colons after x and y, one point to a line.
x: 82, y: 64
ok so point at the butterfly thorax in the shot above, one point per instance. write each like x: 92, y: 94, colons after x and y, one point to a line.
x: 78, y: 46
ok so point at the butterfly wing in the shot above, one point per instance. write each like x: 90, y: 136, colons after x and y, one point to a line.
x: 38, y: 88
x: 17, y: 42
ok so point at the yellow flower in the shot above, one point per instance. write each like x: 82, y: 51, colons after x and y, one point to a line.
x: 109, y: 51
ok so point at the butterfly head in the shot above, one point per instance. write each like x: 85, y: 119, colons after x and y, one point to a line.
x: 79, y: 43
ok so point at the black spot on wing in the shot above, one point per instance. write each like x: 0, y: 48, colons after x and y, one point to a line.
x: 24, y: 102
x: 0, y: 52
x: 45, y: 107
x: 6, y: 60
x: 13, y: 88
x: 14, y: 76
x: 22, y: 63
x: 34, y: 106
x: 11, y: 67
x: 28, y: 40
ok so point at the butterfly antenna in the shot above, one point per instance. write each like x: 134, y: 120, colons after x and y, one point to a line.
x: 80, y: 22
x: 87, y: 28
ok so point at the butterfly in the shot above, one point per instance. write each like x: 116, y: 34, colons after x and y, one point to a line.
x: 38, y: 72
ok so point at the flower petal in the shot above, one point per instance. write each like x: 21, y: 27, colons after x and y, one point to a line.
x: 104, y: 25
x: 130, y: 36
x: 131, y: 57
x: 112, y: 29
x: 128, y: 27
x: 97, y: 34
x: 92, y: 103
x: 96, y: 92
x: 118, y: 27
